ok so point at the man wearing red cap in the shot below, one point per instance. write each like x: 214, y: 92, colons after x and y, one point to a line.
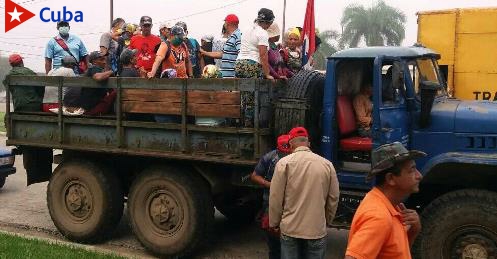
x: 262, y: 175
x: 303, y: 199
x: 25, y: 98
x: 230, y: 49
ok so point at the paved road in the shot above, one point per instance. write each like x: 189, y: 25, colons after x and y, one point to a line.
x: 23, y: 209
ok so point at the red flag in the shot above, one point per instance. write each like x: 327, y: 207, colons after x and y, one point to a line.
x: 15, y: 15
x: 308, y: 33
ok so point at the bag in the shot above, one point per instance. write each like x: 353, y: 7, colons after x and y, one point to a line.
x: 82, y: 64
x: 265, y: 226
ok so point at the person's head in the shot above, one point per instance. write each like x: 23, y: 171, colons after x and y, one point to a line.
x: 15, y: 60
x: 177, y: 35
x: 117, y: 24
x: 293, y: 39
x: 274, y: 33
x: 98, y: 59
x: 231, y: 23
x: 128, y: 57
x: 298, y: 137
x: 68, y: 61
x: 394, y: 168
x: 146, y: 25
x: 366, y: 88
x: 63, y: 28
x: 265, y: 18
x: 206, y: 40
x: 165, y: 29
x: 282, y: 144
x: 184, y: 26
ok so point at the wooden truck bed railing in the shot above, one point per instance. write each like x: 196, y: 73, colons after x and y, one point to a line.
x: 184, y: 97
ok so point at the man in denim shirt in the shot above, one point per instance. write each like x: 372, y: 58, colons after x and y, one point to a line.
x: 54, y: 52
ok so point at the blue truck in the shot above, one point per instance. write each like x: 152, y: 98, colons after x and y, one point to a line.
x: 172, y: 175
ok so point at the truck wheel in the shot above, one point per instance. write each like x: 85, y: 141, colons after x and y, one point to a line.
x: 306, y: 87
x: 239, y: 206
x: 85, y: 201
x: 2, y: 181
x: 171, y: 212
x: 459, y: 224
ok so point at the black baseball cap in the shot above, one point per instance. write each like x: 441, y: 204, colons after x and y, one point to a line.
x: 145, y: 20
x: 265, y: 15
x: 62, y: 23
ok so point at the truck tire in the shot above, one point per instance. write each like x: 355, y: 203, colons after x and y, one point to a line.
x: 308, y: 88
x: 85, y: 200
x: 2, y: 181
x: 171, y: 211
x: 459, y: 224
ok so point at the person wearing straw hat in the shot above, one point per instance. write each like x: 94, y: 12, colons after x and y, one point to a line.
x: 382, y: 226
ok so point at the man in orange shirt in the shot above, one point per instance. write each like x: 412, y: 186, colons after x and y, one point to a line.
x: 173, y: 54
x: 383, y: 227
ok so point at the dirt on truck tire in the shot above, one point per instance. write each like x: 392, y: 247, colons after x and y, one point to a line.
x: 171, y: 211
x: 459, y: 224
x: 85, y: 200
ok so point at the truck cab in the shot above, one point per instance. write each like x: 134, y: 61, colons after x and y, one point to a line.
x: 457, y: 197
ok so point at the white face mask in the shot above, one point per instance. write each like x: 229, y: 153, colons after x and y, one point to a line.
x: 64, y: 30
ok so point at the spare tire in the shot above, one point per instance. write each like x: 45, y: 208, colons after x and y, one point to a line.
x: 302, y: 106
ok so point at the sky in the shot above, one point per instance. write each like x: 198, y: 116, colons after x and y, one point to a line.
x: 202, y: 17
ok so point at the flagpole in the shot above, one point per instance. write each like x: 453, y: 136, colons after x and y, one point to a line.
x: 111, y: 12
x: 284, y: 20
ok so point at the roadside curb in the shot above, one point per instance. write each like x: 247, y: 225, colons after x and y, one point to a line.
x: 13, y: 231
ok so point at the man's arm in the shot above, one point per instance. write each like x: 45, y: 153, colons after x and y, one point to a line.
x: 254, y: 177
x: 48, y: 65
x: 103, y: 75
x: 332, y: 199
x: 213, y: 54
x: 264, y: 61
x: 277, y: 194
x: 411, y: 219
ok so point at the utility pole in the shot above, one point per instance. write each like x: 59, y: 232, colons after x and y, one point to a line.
x: 284, y: 20
x: 111, y: 12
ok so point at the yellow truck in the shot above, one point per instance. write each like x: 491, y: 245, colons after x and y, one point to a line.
x: 467, y: 41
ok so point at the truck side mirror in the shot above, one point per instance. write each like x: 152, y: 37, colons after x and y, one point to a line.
x: 428, y: 91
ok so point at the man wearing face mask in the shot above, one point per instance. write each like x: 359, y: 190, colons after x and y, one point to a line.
x: 64, y: 44
x: 146, y: 44
x: 193, y: 50
x: 174, y: 55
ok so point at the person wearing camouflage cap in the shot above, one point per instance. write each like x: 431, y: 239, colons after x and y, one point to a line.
x: 382, y: 226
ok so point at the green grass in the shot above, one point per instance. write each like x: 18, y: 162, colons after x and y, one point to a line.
x: 2, y: 122
x: 12, y: 246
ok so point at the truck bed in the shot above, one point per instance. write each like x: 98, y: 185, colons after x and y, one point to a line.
x: 119, y: 134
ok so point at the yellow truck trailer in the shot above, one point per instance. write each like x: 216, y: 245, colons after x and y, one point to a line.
x: 467, y: 41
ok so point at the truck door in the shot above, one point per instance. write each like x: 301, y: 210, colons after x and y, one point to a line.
x: 390, y: 92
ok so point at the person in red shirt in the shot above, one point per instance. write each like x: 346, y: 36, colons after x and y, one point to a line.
x: 146, y: 43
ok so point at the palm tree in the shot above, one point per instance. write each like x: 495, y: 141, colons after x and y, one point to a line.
x: 378, y: 25
x: 329, y: 45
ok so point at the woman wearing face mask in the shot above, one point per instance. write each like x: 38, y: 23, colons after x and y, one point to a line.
x: 173, y: 54
x: 64, y: 44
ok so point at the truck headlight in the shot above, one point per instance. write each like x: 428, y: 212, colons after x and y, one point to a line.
x: 8, y: 160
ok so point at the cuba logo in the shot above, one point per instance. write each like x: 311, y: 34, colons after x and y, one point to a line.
x: 16, y: 15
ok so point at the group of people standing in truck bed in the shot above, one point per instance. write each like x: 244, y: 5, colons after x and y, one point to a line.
x: 130, y: 50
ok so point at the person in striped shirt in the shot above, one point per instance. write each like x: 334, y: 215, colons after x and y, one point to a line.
x: 230, y: 49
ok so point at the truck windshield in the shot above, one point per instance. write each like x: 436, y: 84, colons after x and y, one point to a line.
x: 425, y: 69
